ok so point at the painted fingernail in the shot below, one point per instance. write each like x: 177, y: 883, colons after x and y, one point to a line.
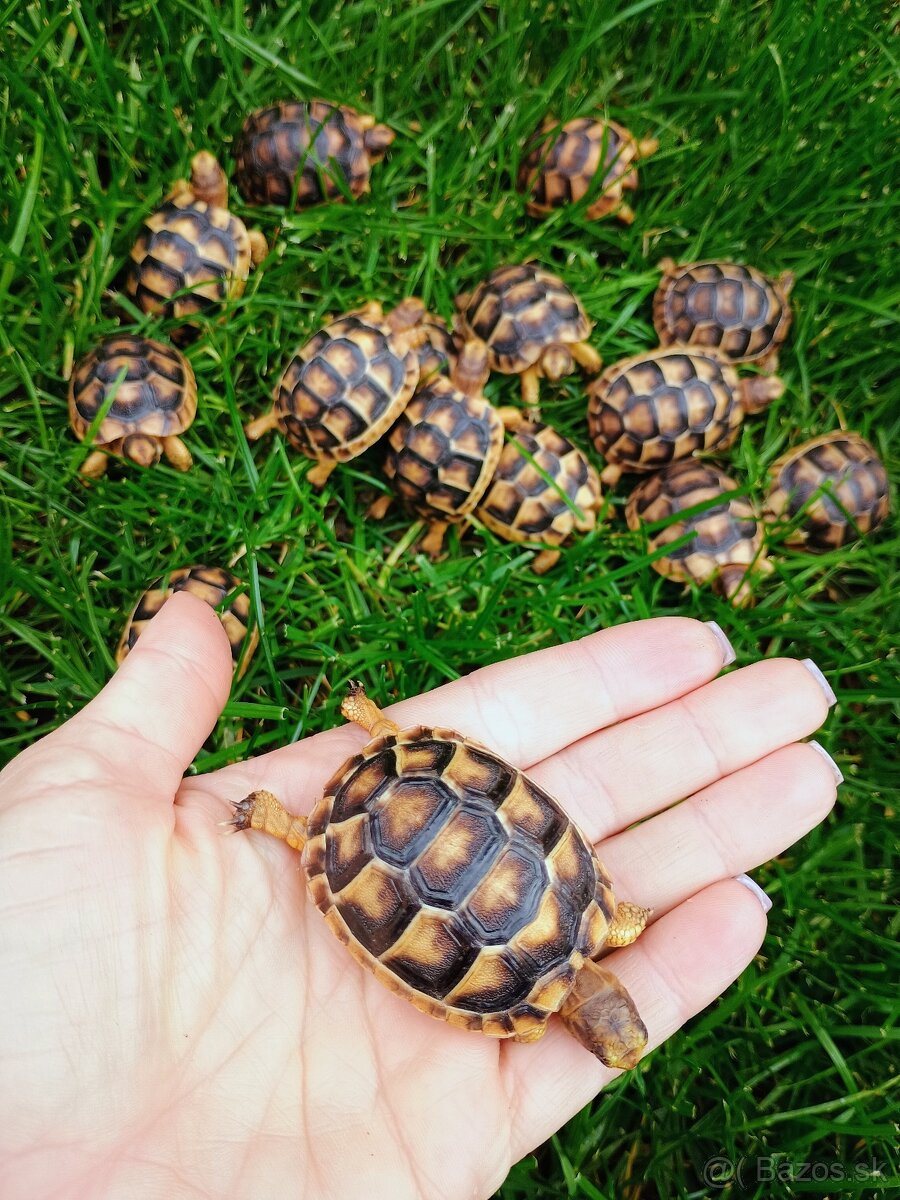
x: 751, y: 885
x: 835, y: 769
x: 820, y: 680
x: 728, y: 654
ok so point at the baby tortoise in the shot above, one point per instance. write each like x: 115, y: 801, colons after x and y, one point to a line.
x: 734, y: 309
x: 563, y: 161
x: 445, y: 447
x: 543, y: 489
x: 346, y: 387
x: 154, y: 400
x: 322, y: 150
x: 463, y: 887
x: 835, y: 486
x: 192, y: 254
x: 532, y: 324
x: 219, y: 588
x: 656, y: 407
x: 437, y: 350
x: 725, y: 539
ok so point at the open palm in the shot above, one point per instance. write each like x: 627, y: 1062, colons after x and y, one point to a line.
x: 180, y: 1022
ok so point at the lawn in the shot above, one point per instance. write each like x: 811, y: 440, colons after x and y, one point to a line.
x: 778, y: 131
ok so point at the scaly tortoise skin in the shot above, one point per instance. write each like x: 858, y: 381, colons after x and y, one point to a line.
x: 192, y: 254
x: 657, y: 407
x: 305, y: 145
x: 216, y: 587
x: 563, y: 161
x: 155, y: 401
x: 726, y: 537
x: 445, y: 447
x: 731, y: 308
x: 463, y: 887
x: 520, y: 504
x: 836, y: 484
x: 532, y: 324
x: 345, y: 388
x: 437, y: 351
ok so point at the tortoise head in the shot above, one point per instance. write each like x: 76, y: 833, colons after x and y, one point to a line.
x: 759, y: 391
x: 557, y: 361
x: 405, y: 323
x: 377, y: 140
x: 471, y: 371
x: 142, y: 448
x: 208, y: 181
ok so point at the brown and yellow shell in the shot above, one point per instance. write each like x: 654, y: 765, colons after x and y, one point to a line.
x: 345, y: 388
x: 322, y: 150
x: 728, y: 307
x: 519, y: 311
x: 724, y: 539
x: 189, y: 257
x: 154, y: 384
x: 654, y: 408
x: 457, y: 880
x: 563, y: 161
x: 834, y: 486
x: 543, y: 489
x: 443, y: 451
x: 219, y: 588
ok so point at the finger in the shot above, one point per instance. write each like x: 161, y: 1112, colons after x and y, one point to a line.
x: 617, y: 776
x: 677, y: 967
x: 723, y: 831
x: 525, y: 708
x: 155, y: 713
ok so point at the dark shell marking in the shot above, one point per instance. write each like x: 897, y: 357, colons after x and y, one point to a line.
x: 840, y: 482
x: 443, y: 450
x: 157, y: 394
x: 456, y: 879
x: 217, y: 587
x: 727, y: 306
x: 343, y: 389
x: 649, y: 410
x: 562, y: 162
x: 520, y: 311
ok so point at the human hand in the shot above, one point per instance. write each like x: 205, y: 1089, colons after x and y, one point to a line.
x: 180, y: 1022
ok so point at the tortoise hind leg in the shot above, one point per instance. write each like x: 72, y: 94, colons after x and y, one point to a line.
x: 600, y: 1014
x: 628, y: 923
x: 177, y: 453
x: 94, y: 465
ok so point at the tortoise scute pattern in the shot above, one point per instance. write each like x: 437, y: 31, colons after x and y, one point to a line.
x: 317, y: 138
x: 649, y: 410
x: 459, y: 875
x: 157, y: 394
x: 723, y: 305
x: 563, y: 162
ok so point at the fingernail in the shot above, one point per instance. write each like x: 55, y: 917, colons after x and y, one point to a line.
x: 728, y: 654
x: 835, y: 769
x: 820, y: 680
x: 751, y: 885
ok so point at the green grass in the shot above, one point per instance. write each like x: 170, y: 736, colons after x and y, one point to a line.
x: 778, y: 147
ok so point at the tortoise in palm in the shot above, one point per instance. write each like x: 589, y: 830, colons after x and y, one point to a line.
x: 724, y: 539
x: 321, y: 150
x: 562, y: 162
x: 219, y: 589
x: 532, y: 324
x: 657, y: 407
x: 542, y: 491
x: 154, y: 400
x: 345, y: 388
x: 445, y: 447
x: 192, y: 254
x: 463, y: 887
x: 835, y: 487
x: 733, y: 309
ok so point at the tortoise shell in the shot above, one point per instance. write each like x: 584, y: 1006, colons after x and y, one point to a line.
x: 189, y: 257
x: 522, y: 505
x: 735, y: 309
x: 345, y: 388
x: 562, y: 161
x: 314, y: 147
x: 519, y: 311
x: 724, y: 539
x: 457, y: 880
x: 443, y: 451
x: 155, y: 389
x: 436, y: 350
x: 649, y: 410
x: 219, y: 588
x: 836, y: 485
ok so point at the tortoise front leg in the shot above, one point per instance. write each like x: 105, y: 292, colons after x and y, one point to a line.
x: 432, y: 543
x: 261, y: 425
x: 261, y: 810
x: 544, y: 560
x: 600, y: 1014
x: 94, y: 466
x: 531, y: 390
x: 358, y: 708
x: 318, y: 474
x: 628, y: 923
x: 177, y: 453
x: 586, y: 357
